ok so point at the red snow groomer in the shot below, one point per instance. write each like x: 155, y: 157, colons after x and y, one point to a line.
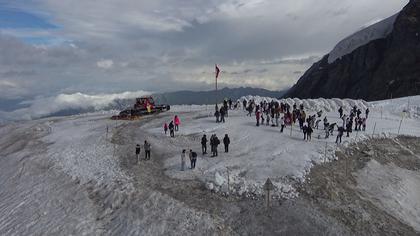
x: 143, y: 106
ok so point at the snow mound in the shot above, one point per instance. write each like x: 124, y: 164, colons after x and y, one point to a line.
x: 362, y: 37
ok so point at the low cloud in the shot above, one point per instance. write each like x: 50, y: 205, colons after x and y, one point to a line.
x: 105, y: 64
x: 46, y: 106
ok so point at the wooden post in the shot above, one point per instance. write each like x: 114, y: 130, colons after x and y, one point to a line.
x: 268, y: 186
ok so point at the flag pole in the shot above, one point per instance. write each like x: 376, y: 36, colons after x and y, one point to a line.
x: 216, y: 87
x: 217, y: 70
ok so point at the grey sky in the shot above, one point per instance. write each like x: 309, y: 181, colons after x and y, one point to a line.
x: 119, y: 45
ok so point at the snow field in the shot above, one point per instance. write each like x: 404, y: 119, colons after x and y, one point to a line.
x: 79, y: 146
x: 394, y: 189
x: 258, y: 153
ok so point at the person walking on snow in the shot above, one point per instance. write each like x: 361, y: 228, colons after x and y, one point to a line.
x: 223, y: 112
x: 305, y: 130
x: 340, y: 134
x: 226, y: 142
x: 309, y: 131
x: 367, y: 112
x: 257, y: 116
x: 217, y: 114
x: 146, y: 150
x: 282, y: 124
x: 340, y: 111
x: 165, y: 128
x: 193, y: 159
x: 171, y: 129
x: 183, y: 160
x: 177, y: 123
x: 268, y: 119
x: 216, y: 142
x: 138, y: 153
x: 204, y: 144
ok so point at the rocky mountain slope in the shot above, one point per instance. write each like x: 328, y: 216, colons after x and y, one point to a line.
x: 378, y: 62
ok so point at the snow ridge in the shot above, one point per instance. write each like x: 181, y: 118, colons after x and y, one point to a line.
x: 362, y: 37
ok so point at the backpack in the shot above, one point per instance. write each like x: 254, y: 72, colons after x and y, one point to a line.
x: 194, y: 155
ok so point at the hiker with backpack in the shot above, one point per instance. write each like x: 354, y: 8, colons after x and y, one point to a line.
x: 215, y: 143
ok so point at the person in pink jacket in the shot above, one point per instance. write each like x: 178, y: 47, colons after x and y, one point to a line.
x: 177, y: 123
x: 165, y: 127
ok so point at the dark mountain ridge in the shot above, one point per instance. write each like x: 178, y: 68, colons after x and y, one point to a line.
x: 383, y: 68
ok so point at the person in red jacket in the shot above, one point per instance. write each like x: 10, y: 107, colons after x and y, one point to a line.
x: 177, y: 123
x: 257, y: 115
x: 165, y: 127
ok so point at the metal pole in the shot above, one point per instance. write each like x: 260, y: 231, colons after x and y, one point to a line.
x: 345, y: 164
x: 291, y: 129
x: 228, y: 180
x: 400, y: 125
x: 374, y: 127
x: 381, y: 112
x: 325, y: 156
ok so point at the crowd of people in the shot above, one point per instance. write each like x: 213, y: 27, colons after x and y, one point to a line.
x: 172, y: 127
x: 277, y: 114
x: 274, y: 114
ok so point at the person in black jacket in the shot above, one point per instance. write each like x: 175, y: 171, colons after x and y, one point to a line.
x: 226, y: 142
x: 204, y: 144
x: 340, y: 111
x: 171, y: 129
x: 138, y: 152
x: 214, y: 142
x: 223, y: 112
x: 340, y: 134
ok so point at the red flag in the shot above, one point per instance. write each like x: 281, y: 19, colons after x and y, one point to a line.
x: 217, y: 71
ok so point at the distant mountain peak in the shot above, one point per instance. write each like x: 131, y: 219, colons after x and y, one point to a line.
x: 379, y: 62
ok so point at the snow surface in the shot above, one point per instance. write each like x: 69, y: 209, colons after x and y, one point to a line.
x: 48, y: 176
x: 362, y: 37
x: 79, y: 146
x: 394, y: 189
x: 258, y: 153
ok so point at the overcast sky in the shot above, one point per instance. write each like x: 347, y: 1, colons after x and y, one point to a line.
x: 49, y: 47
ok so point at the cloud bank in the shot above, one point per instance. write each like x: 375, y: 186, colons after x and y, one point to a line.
x: 111, y: 46
x: 46, y: 106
